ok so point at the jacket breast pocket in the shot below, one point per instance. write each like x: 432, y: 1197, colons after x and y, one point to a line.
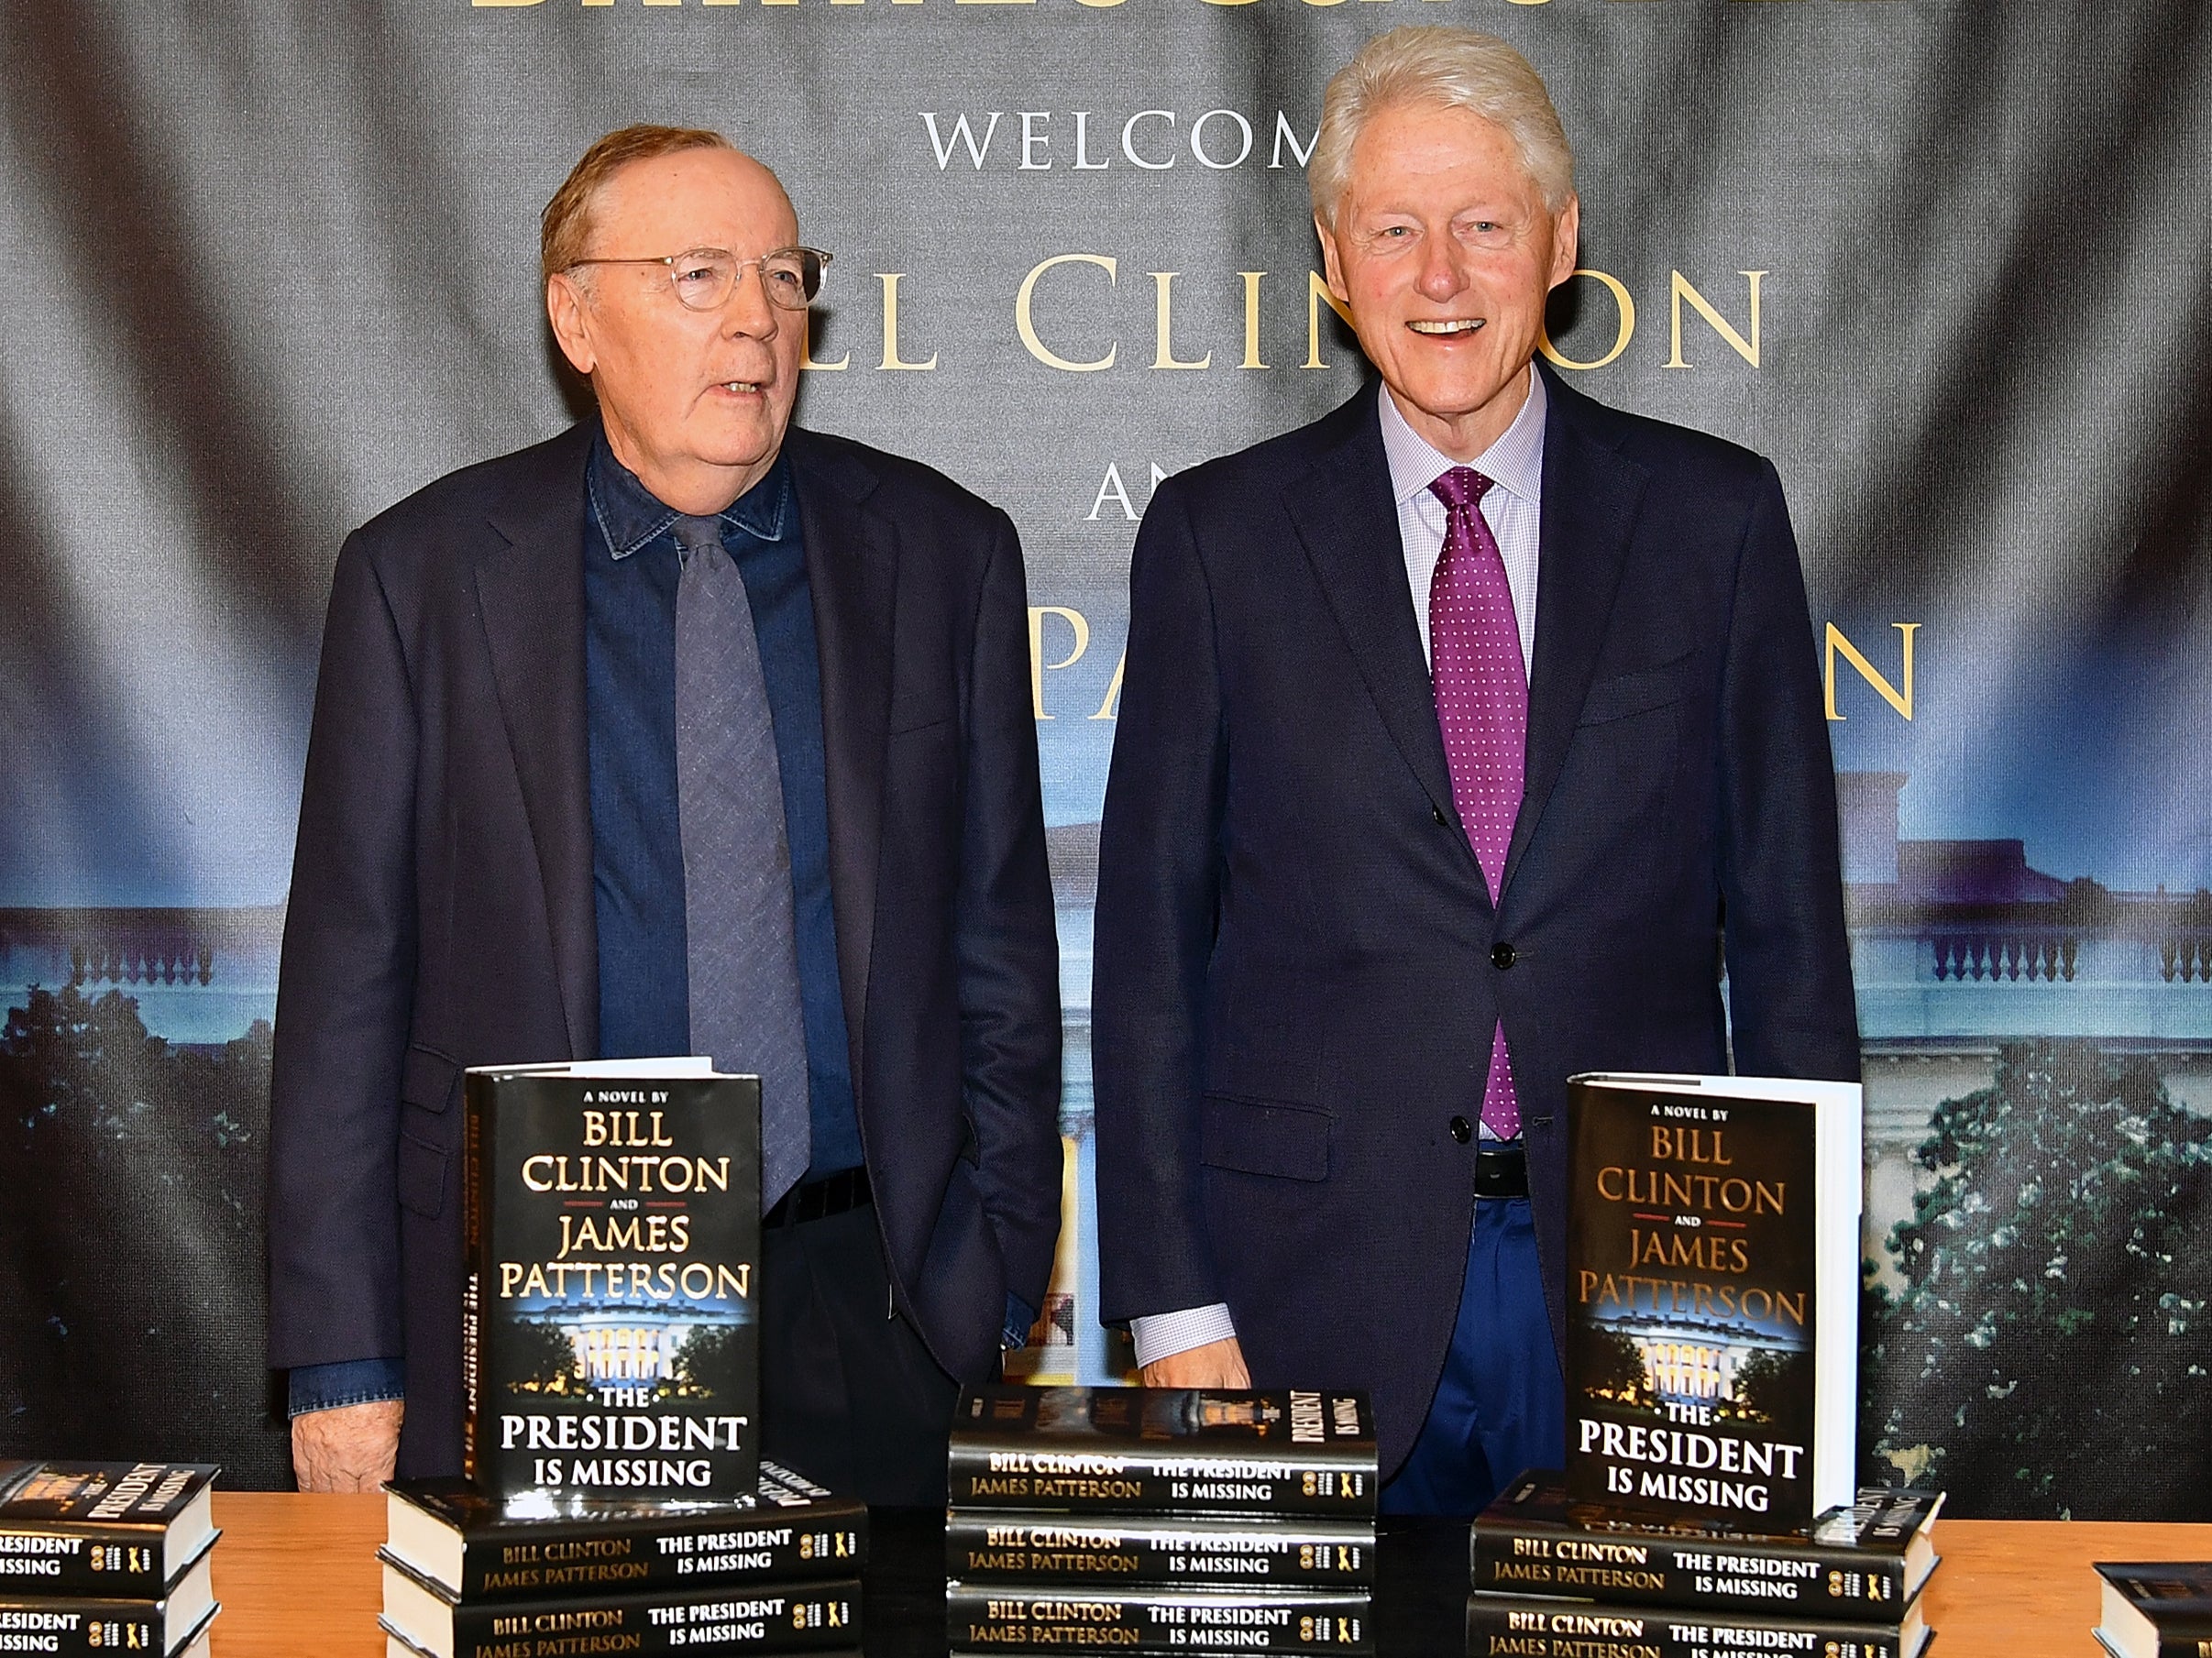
x: 1636, y: 693
x: 429, y: 1082
x: 1264, y: 1137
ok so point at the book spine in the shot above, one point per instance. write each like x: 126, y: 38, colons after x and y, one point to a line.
x: 981, y: 1619
x: 1116, y: 1482
x: 1524, y: 1627
x: 111, y: 1561
x: 984, y: 1548
x: 822, y: 1616
x: 579, y: 1561
x: 475, y: 1464
x: 64, y: 1626
x: 1741, y: 1574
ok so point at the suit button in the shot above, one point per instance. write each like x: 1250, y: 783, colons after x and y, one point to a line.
x: 1500, y: 956
x: 1462, y: 1130
x: 1439, y: 812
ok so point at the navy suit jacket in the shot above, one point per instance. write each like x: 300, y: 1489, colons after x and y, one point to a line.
x: 442, y: 914
x: 1298, y: 965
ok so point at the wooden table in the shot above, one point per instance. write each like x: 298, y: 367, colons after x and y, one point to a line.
x: 298, y: 1578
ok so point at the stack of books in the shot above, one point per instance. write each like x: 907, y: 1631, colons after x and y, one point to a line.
x: 1160, y: 1520
x: 615, y: 1499
x: 1551, y: 1578
x: 1708, y: 1503
x: 2156, y: 1609
x: 465, y: 1578
x: 100, y: 1556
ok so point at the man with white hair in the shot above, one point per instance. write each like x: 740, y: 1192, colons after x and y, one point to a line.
x: 1457, y: 724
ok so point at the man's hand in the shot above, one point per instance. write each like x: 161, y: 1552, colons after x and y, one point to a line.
x: 1217, y: 1365
x: 351, y: 1448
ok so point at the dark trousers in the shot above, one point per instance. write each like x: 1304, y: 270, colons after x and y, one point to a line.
x: 1500, y: 1407
x: 849, y: 1396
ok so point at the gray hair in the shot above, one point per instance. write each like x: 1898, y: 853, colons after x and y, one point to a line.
x: 1458, y: 68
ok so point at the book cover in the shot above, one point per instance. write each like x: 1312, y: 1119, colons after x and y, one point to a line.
x: 115, y: 1529
x: 1865, y: 1562
x: 722, y: 1618
x: 982, y: 1547
x: 979, y: 1619
x: 68, y: 1624
x: 1712, y: 1298
x: 1163, y: 1450
x: 1511, y: 1626
x: 2156, y: 1609
x: 449, y: 1532
x: 611, y: 1228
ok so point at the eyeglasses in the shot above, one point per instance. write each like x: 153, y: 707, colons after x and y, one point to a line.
x: 704, y: 277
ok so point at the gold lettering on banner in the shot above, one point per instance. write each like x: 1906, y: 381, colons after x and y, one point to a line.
x: 1025, y: 325
x: 1622, y: 334
x: 1163, y: 356
x: 889, y: 278
x: 1038, y: 666
x: 1107, y: 710
x: 806, y: 352
x: 1899, y: 699
x: 1251, y: 319
x: 1315, y: 292
x: 1746, y: 349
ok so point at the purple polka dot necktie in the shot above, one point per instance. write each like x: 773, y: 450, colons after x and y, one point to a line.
x: 1481, y: 687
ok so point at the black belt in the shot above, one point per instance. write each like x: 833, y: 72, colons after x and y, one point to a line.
x: 833, y: 1194
x: 1500, y: 1171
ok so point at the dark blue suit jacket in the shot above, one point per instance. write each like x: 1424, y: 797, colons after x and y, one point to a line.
x: 1298, y: 966
x: 442, y: 914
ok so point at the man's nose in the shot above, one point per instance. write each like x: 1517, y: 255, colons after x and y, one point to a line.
x: 748, y: 311
x: 1443, y: 269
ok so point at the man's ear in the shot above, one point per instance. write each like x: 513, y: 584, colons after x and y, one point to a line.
x: 569, y: 312
x: 1567, y: 240
x: 1332, y: 266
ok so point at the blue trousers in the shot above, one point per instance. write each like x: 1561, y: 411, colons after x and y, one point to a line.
x: 1500, y: 1407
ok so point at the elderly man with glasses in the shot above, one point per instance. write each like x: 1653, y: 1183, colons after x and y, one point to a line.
x: 685, y: 732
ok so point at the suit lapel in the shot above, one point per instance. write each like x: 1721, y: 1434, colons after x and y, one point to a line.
x: 530, y: 591
x: 852, y: 576
x: 1590, y: 496
x: 1347, y: 522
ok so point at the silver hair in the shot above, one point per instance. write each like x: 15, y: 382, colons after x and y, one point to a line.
x: 1458, y: 68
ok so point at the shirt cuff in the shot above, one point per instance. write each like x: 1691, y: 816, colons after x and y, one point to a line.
x: 351, y: 1381
x: 1163, y: 1335
x: 1021, y: 1316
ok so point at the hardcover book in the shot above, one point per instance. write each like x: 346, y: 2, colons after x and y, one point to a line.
x: 724, y: 1618
x: 1534, y: 1627
x: 1163, y: 1450
x: 115, y: 1529
x: 173, y: 1622
x: 987, y: 1548
x: 1863, y: 1563
x: 2156, y: 1610
x: 1712, y: 1247
x: 449, y: 1533
x: 980, y: 1619
x: 611, y: 1228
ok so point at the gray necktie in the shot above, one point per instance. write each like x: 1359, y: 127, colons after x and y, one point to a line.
x: 739, y: 945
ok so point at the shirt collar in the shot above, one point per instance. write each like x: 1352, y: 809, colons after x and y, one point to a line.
x: 629, y: 515
x: 1514, y: 463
